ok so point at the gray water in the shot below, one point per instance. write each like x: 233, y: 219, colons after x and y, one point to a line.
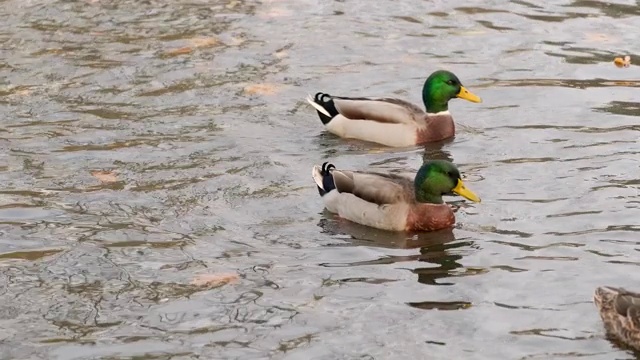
x: 195, y: 110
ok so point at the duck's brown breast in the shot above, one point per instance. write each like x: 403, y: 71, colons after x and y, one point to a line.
x: 435, y: 128
x: 429, y: 217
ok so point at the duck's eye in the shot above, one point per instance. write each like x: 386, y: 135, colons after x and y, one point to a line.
x: 451, y: 82
x: 453, y: 175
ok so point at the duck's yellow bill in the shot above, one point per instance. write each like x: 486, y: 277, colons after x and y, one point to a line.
x: 462, y: 190
x: 468, y: 95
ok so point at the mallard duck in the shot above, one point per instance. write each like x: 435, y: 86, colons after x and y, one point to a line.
x: 395, y: 122
x: 620, y: 313
x: 396, y: 202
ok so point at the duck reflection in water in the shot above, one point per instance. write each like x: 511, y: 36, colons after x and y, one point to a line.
x: 434, y: 151
x: 436, y: 247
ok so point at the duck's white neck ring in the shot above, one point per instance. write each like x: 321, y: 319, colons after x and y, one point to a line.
x: 441, y: 113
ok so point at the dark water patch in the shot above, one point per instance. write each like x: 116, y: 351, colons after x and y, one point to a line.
x: 620, y: 242
x: 381, y: 261
x: 107, y: 114
x: 527, y: 4
x: 621, y: 262
x: 562, y: 258
x: 366, y: 280
x: 426, y: 35
x: 554, y: 18
x: 597, y: 144
x: 509, y: 268
x: 478, y: 10
x: 600, y: 253
x: 535, y: 248
x: 20, y: 205
x: 548, y: 333
x: 569, y: 355
x: 611, y: 228
x: 135, y: 142
x: 490, y: 25
x: 151, y: 244
x: 574, y: 213
x: 516, y: 307
x: 538, y: 127
x: 527, y: 160
x: 409, y: 19
x: 172, y: 184
x: 614, y: 10
x: 435, y: 342
x: 441, y: 305
x: 448, y: 269
x: 517, y: 233
x: 29, y: 255
x: 535, y: 201
x: 621, y: 108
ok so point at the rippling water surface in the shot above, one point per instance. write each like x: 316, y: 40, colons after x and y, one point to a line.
x: 146, y: 144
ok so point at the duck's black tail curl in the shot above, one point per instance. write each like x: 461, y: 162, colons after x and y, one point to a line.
x: 326, y: 102
x: 327, y: 179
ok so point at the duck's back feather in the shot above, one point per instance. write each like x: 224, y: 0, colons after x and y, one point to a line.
x: 625, y: 300
x: 384, y: 110
x: 373, y: 187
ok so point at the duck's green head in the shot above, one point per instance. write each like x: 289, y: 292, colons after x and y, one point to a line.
x: 442, y: 86
x: 440, y: 177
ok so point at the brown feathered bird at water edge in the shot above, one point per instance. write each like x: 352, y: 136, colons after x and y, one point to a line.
x: 620, y: 313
